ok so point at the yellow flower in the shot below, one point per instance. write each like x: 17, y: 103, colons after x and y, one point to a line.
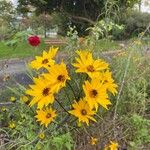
x: 108, y: 82
x: 142, y: 33
x: 41, y: 135
x: 39, y: 146
x: 6, y: 78
x: 46, y: 60
x: 113, y: 145
x: 86, y: 64
x: 24, y: 99
x: 93, y: 141
x: 12, y: 99
x: 79, y: 124
x: 41, y: 92
x: 46, y: 116
x: 57, y: 76
x: 3, y: 109
x: 12, y: 124
x: 137, y: 42
x: 106, y: 147
x: 82, y: 111
x: 122, y: 53
x: 95, y: 94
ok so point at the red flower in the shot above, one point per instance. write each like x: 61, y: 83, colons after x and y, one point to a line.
x: 34, y: 40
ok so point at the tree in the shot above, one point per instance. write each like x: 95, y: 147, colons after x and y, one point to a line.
x: 82, y: 13
x: 43, y: 20
x: 7, y: 18
x: 7, y: 12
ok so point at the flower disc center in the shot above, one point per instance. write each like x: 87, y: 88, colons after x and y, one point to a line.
x: 83, y: 112
x: 48, y: 115
x: 93, y: 93
x: 46, y: 91
x: 90, y: 68
x: 45, y: 61
x: 61, y: 78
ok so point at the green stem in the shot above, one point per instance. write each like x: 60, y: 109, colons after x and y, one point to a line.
x: 86, y: 131
x: 67, y: 97
x: 62, y: 106
x: 72, y: 90
x: 86, y: 77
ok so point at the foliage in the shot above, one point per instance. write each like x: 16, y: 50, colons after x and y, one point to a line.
x: 58, y: 78
x: 133, y: 102
x: 72, y: 38
x: 61, y: 22
x: 105, y: 28
x: 140, y: 126
x: 7, y: 19
x: 63, y: 141
x: 17, y: 52
x: 7, y: 11
x: 4, y: 29
x: 126, y: 123
x: 43, y: 21
x: 21, y: 36
x: 73, y: 7
x: 78, y: 13
x: 135, y: 23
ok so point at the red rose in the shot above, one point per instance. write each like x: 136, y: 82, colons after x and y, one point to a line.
x: 34, y: 40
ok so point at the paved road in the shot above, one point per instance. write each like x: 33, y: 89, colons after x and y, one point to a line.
x: 16, y: 69
x: 12, y: 67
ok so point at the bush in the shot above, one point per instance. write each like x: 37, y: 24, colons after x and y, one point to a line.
x: 106, y: 28
x: 136, y: 22
x: 6, y: 30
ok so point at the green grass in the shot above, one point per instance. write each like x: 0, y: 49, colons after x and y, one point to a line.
x: 106, y: 45
x: 22, y: 50
x: 5, y: 94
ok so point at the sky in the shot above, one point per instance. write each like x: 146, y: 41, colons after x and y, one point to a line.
x: 14, y: 2
x: 145, y: 7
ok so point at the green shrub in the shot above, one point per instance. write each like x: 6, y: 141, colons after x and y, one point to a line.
x: 139, y: 126
x: 136, y: 22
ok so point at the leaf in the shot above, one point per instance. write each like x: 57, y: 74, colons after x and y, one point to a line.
x: 14, y: 91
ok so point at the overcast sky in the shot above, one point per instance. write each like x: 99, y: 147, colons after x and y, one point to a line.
x: 14, y: 2
x: 145, y: 6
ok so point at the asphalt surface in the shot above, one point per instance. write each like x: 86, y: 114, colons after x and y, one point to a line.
x: 13, y: 71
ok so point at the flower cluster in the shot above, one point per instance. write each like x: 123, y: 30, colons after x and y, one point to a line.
x: 95, y: 88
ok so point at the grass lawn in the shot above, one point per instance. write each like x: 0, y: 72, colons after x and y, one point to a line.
x: 24, y: 50
x: 106, y: 45
x: 21, y: 51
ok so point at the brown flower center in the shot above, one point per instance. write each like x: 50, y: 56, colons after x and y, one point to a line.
x: 83, y: 112
x: 93, y: 93
x: 45, y: 61
x: 105, y: 81
x: 61, y: 78
x: 46, y: 91
x: 48, y: 115
x: 90, y: 68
